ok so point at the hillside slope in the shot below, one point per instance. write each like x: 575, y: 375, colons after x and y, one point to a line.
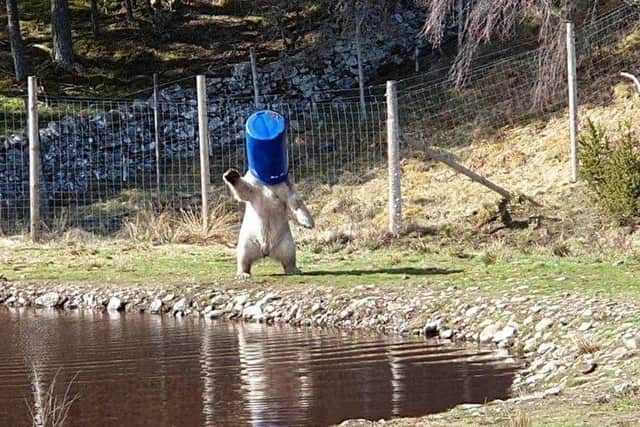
x: 444, y: 210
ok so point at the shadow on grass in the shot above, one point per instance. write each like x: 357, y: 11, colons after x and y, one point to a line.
x: 399, y: 271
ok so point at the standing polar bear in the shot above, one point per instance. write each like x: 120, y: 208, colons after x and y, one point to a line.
x: 265, y: 230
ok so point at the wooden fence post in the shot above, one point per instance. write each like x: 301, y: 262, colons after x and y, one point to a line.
x: 393, y: 159
x: 203, y: 128
x: 156, y: 126
x: 573, y: 100
x: 363, y: 105
x: 254, y: 73
x: 34, y: 159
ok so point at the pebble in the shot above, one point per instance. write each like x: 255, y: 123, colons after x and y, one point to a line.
x: 585, y: 326
x: 544, y: 324
x: 447, y: 334
x: 546, y: 347
x: 632, y: 342
x: 588, y: 366
x: 215, y: 314
x: 471, y: 312
x: 506, y: 334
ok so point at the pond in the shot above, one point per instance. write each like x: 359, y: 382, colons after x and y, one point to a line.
x: 136, y: 370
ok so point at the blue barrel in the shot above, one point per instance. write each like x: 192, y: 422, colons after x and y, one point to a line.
x: 267, y: 147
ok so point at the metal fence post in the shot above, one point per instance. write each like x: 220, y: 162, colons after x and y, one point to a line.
x: 393, y: 159
x: 34, y: 159
x: 156, y: 127
x: 573, y: 99
x: 254, y: 73
x: 201, y: 87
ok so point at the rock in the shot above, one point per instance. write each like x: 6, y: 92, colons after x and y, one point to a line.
x: 620, y: 353
x: 530, y: 344
x: 487, y: 333
x: 585, y: 326
x: 345, y: 314
x: 156, y: 306
x: 50, y: 299
x: 506, y: 334
x: 218, y: 301
x: 181, y: 305
x: 168, y: 298
x: 89, y: 300
x: 241, y: 300
x: 632, y: 342
x: 588, y: 366
x: 215, y: 314
x: 253, y: 312
x: 618, y: 263
x: 473, y: 311
x: 543, y: 324
x: 553, y: 391
x: 625, y: 389
x: 549, y: 367
x: 315, y: 308
x: 546, y: 347
x: 115, y: 304
x: 447, y: 334
x: 71, y: 304
x: 431, y: 328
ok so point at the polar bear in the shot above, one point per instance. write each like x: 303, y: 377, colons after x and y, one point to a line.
x: 265, y: 228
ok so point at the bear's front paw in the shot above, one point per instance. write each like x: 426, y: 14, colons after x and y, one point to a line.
x: 243, y: 276
x: 231, y: 176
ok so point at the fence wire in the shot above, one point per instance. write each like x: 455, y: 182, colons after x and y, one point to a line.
x: 101, y: 165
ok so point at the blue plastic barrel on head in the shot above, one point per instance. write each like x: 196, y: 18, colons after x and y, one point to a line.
x: 267, y: 147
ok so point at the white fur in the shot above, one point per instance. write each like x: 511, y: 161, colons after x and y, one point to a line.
x: 265, y: 228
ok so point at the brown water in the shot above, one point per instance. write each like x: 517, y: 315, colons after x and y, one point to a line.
x: 136, y: 370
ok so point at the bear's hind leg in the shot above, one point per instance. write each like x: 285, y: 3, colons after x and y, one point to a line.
x: 247, y: 254
x: 285, y: 253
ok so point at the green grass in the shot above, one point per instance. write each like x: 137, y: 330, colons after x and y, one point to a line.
x: 135, y: 264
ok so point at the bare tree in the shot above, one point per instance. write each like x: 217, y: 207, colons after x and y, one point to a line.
x: 487, y: 20
x: 94, y: 18
x: 15, y: 37
x: 61, y: 34
x: 129, y: 8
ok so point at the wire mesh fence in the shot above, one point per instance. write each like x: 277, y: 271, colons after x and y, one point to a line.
x: 101, y: 163
x: 14, y: 167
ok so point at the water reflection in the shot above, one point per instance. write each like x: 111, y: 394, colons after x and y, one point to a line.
x: 151, y: 370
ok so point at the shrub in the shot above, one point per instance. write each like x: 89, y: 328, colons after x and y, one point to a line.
x: 611, y: 168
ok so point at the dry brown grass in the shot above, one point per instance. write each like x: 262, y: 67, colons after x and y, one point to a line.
x: 184, y: 226
x: 48, y: 409
x: 519, y: 419
x: 586, y: 345
x: 530, y: 159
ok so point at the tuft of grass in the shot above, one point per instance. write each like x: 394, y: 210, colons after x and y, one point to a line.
x: 586, y: 345
x: 519, y: 419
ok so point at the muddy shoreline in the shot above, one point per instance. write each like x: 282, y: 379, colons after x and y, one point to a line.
x: 560, y: 339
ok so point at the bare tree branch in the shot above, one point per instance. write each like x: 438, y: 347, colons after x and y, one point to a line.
x: 633, y: 78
